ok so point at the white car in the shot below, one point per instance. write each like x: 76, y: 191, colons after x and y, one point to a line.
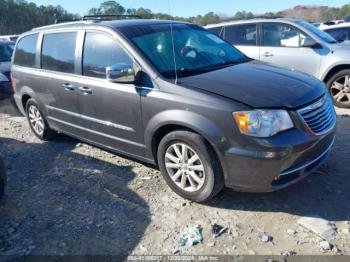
x: 296, y: 45
x: 339, y: 32
x: 328, y: 24
x: 11, y: 38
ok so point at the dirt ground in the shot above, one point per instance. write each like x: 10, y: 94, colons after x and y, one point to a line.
x: 66, y: 197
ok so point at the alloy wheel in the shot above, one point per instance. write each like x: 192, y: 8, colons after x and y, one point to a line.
x: 185, y: 167
x: 36, y: 120
x: 340, y: 90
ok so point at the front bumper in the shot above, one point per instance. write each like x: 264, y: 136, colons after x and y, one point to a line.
x: 277, y: 163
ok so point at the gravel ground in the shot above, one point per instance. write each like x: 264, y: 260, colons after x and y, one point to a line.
x: 67, y: 197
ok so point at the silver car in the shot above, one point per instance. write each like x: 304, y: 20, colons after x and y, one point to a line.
x: 294, y: 44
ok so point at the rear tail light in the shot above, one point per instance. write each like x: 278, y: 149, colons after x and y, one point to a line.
x: 13, y: 83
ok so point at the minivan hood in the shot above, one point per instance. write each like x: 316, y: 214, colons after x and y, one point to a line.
x: 259, y: 85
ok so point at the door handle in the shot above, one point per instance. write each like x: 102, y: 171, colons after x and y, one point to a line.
x: 68, y: 86
x: 85, y: 90
x: 267, y: 54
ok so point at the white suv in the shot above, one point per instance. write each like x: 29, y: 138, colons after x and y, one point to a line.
x: 294, y: 44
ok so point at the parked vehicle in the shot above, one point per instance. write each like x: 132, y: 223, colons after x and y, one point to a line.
x: 2, y: 178
x: 294, y: 44
x: 9, y: 38
x: 197, y: 107
x: 325, y: 25
x: 339, y: 32
x: 6, y: 50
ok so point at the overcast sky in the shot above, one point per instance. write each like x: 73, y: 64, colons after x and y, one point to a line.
x: 188, y: 8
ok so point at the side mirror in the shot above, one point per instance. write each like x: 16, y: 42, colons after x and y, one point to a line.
x: 120, y: 73
x: 309, y: 42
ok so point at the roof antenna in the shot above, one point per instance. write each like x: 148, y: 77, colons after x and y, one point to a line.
x: 172, y: 41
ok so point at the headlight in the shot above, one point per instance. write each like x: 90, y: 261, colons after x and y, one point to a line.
x: 263, y: 123
x: 3, y: 78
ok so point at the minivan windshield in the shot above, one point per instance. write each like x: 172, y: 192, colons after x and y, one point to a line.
x: 318, y: 32
x: 182, y: 48
x: 6, y: 51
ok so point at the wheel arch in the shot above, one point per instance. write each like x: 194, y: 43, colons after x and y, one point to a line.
x: 24, y: 100
x: 335, y: 70
x: 27, y: 93
x: 159, y: 127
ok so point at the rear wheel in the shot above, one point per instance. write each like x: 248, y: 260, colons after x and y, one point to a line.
x: 339, y: 88
x: 189, y: 166
x: 37, y: 121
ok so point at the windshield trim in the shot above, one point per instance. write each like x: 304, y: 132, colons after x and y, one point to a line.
x: 197, y: 71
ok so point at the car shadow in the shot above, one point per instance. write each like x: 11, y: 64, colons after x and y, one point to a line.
x: 8, y: 107
x: 58, y: 201
x: 325, y: 193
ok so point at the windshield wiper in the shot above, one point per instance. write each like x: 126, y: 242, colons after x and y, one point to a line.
x: 208, y: 68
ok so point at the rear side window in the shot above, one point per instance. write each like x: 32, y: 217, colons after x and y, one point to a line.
x: 339, y: 34
x: 58, y: 52
x: 219, y: 31
x: 25, y: 51
x: 241, y: 34
x: 101, y: 51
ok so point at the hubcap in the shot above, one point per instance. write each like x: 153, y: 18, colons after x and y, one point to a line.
x: 36, y: 120
x: 185, y: 167
x: 340, y: 90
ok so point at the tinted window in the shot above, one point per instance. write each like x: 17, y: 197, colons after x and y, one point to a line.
x: 282, y: 35
x: 241, y: 35
x: 101, y: 51
x: 217, y: 30
x: 58, y: 52
x: 339, y: 34
x: 6, y: 51
x: 25, y: 51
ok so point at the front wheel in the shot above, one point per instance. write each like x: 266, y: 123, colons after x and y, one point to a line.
x: 189, y: 166
x: 339, y: 88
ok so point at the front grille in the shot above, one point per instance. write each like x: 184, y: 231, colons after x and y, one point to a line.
x: 320, y: 117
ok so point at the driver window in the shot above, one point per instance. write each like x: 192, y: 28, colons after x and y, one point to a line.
x: 282, y: 35
x: 101, y: 51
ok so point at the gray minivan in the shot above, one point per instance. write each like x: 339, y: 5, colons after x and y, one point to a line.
x: 177, y: 96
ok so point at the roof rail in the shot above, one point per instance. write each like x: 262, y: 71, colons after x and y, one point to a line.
x: 108, y: 17
x: 268, y: 17
x: 59, y: 21
x: 250, y: 18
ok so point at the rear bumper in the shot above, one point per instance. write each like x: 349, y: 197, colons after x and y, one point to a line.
x: 278, y: 167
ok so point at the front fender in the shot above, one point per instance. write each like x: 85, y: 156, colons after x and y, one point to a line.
x: 191, y: 120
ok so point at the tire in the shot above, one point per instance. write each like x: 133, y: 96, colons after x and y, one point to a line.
x: 2, y: 178
x: 35, y: 116
x: 207, y: 180
x: 339, y: 90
